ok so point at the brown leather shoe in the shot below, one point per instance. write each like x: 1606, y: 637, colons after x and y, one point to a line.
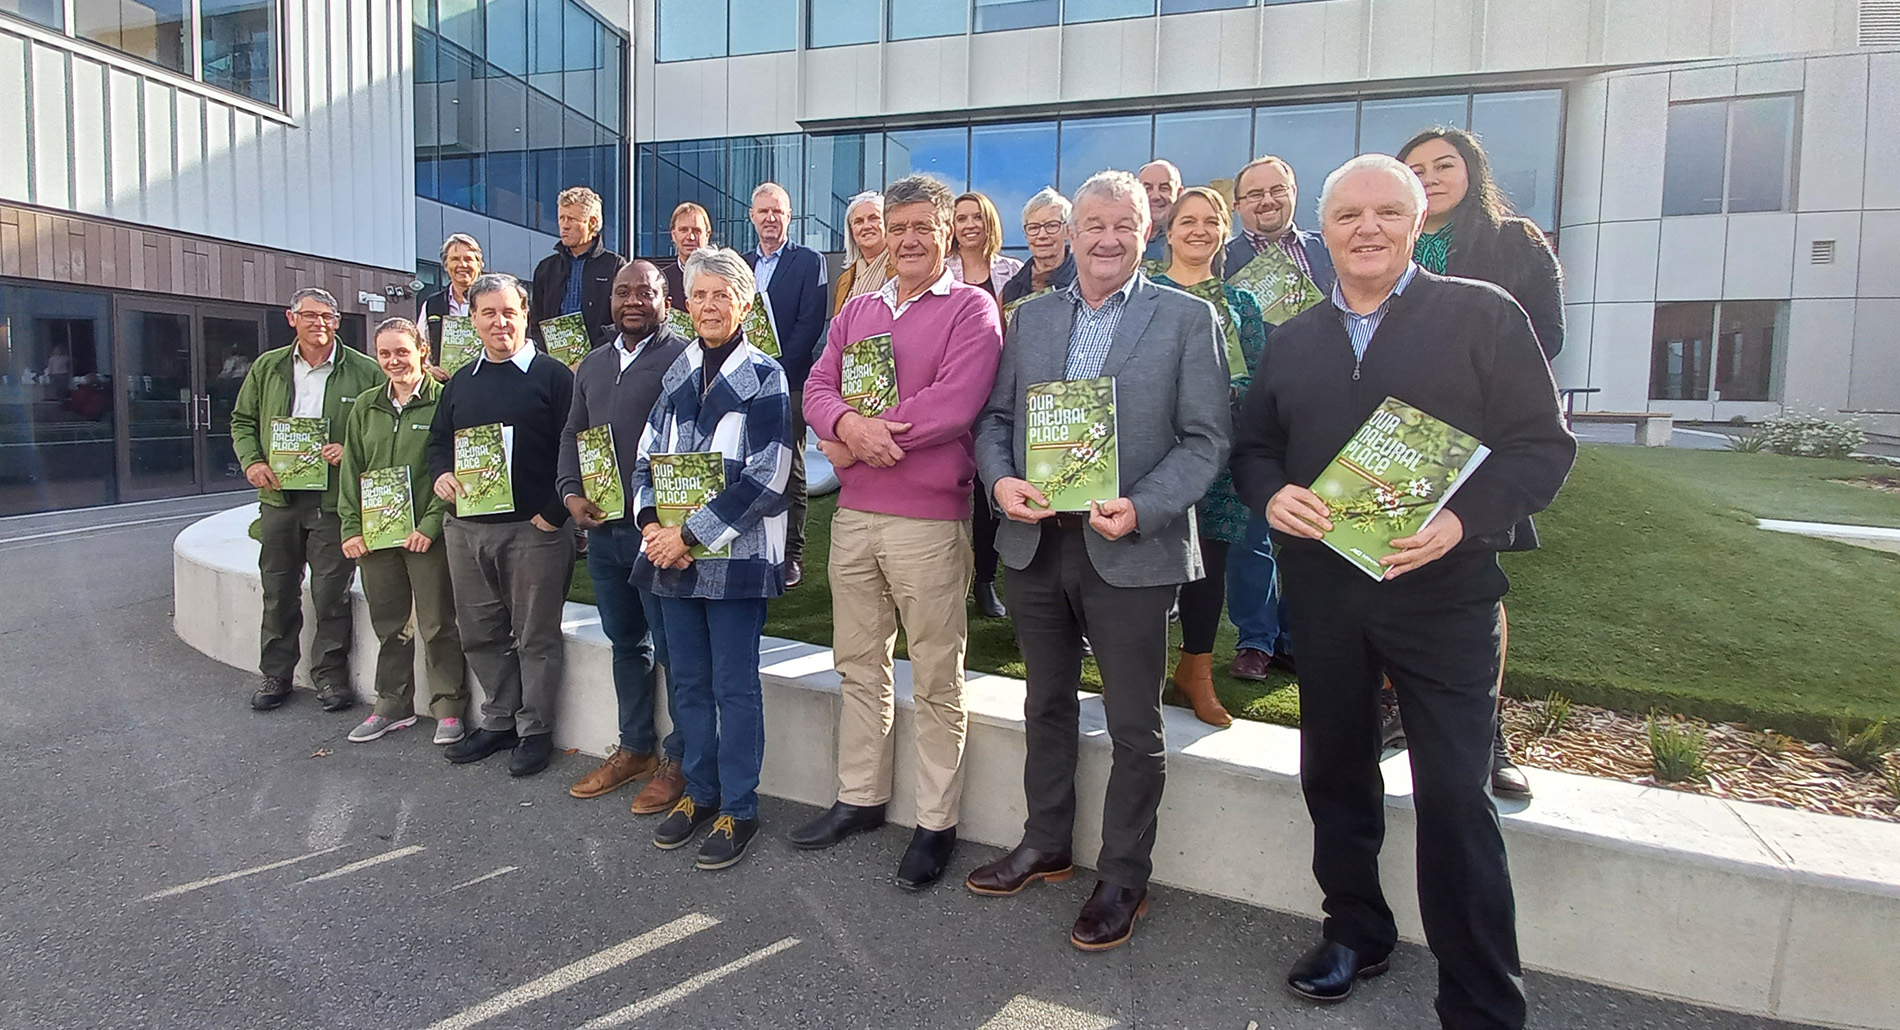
x: 662, y: 791
x: 1018, y: 869
x: 1250, y: 663
x: 1194, y: 680
x: 621, y: 768
x: 1108, y: 917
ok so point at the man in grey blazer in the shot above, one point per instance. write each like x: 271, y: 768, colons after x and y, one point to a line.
x: 1110, y: 573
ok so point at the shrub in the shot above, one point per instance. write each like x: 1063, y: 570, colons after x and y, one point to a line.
x: 1747, y: 443
x: 1553, y: 712
x: 1811, y: 436
x: 1676, y: 750
x: 1865, y: 748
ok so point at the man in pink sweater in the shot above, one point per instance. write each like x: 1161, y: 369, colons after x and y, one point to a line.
x: 904, y: 373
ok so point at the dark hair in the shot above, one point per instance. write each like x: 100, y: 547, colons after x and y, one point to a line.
x: 1484, y: 203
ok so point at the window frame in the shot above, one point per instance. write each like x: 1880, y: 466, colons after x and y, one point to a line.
x: 1790, y: 158
x: 1707, y: 388
x: 799, y: 20
x: 193, y: 77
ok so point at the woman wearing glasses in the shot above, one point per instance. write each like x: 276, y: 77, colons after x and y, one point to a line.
x: 1050, y: 267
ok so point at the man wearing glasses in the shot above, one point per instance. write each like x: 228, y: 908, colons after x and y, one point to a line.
x: 315, y: 377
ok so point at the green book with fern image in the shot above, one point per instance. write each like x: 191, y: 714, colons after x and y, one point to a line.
x: 459, y: 344
x: 566, y: 339
x: 682, y: 484
x: 681, y: 322
x: 482, y: 459
x: 1070, y: 442
x: 389, y: 509
x: 1214, y: 292
x: 600, y: 471
x: 296, y: 452
x: 867, y: 376
x: 761, y: 328
x: 1391, y: 478
x: 1282, y: 289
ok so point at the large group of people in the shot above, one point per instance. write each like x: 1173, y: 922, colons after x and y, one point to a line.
x: 1245, y: 351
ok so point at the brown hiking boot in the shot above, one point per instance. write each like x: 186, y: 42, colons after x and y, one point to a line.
x: 621, y: 768
x: 1194, y: 681
x: 663, y: 791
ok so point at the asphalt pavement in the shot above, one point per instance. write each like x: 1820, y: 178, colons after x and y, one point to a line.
x: 174, y: 859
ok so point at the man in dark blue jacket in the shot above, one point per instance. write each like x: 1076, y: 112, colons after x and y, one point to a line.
x: 793, y: 281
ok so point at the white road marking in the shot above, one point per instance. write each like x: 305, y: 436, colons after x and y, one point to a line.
x: 654, y: 1003
x: 213, y: 881
x: 345, y: 870
x: 503, y: 871
x: 100, y: 529
x: 573, y: 973
x: 1026, y: 1013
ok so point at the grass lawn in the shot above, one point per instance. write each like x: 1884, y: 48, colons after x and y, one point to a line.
x: 1653, y: 589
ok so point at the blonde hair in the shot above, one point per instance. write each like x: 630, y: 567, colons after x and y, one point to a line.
x: 586, y: 199
x: 689, y: 208
x: 992, y: 222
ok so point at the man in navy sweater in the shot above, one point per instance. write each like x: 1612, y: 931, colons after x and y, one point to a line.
x: 510, y: 570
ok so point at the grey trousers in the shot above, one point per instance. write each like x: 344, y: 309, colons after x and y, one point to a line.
x: 511, y: 581
x: 298, y: 534
x: 395, y: 583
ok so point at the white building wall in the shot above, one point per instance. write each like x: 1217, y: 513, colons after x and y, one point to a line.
x: 332, y: 175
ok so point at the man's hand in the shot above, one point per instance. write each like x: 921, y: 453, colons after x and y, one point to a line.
x: 438, y: 373
x: 587, y: 514
x: 1021, y: 501
x: 260, y: 476
x: 543, y: 525
x: 332, y: 453
x: 1444, y: 532
x: 1113, y: 519
x: 1299, y: 512
x: 354, y: 548
x: 448, y: 487
x: 870, y: 439
x: 838, y: 453
x: 417, y: 541
x: 666, y: 550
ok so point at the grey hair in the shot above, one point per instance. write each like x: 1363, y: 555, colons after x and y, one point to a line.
x: 922, y: 189
x: 1174, y: 173
x: 851, y: 251
x: 1048, y: 197
x: 1115, y: 185
x: 462, y: 238
x: 1375, y: 163
x: 725, y: 263
x: 313, y: 293
x: 782, y: 191
x: 493, y: 282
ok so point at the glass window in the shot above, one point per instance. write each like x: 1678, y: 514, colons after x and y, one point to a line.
x: 1693, y: 154
x: 1009, y: 163
x: 50, y: 13
x: 918, y: 19
x: 836, y: 169
x: 1106, y: 10
x: 1385, y: 125
x: 766, y: 26
x: 755, y: 160
x: 459, y: 182
x: 546, y: 183
x: 1761, y: 155
x: 1314, y: 139
x: 689, y: 30
x: 1090, y: 145
x: 508, y: 35
x: 1750, y: 348
x: 1679, y: 352
x: 692, y: 170
x: 240, y: 46
x: 1187, y: 6
x: 508, y: 186
x: 944, y: 153
x: 460, y: 22
x: 607, y: 96
x: 997, y: 15
x: 424, y: 13
x: 425, y: 177
x: 845, y: 22
x: 1207, y: 146
x: 1520, y: 132
x: 460, y: 102
x: 545, y: 116
x: 58, y: 405
x: 580, y: 55
x: 151, y: 30
x: 507, y: 127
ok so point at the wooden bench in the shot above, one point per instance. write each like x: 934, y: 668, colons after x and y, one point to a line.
x: 1653, y: 428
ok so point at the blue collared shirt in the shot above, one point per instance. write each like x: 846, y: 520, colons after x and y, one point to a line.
x: 576, y: 278
x: 767, y: 264
x: 1361, y: 327
x: 1094, y: 329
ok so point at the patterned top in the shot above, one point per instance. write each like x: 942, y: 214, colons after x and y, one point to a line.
x: 1094, y: 329
x: 1222, y: 514
x: 1359, y: 328
x: 1289, y: 244
x: 1433, y: 249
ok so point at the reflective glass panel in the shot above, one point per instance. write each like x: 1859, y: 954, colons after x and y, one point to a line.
x: 766, y: 26
x: 1106, y: 10
x: 1679, y: 352
x: 1208, y: 146
x: 1090, y: 145
x: 1751, y: 340
x: 1314, y: 139
x: 50, y: 13
x: 918, y: 19
x: 836, y: 169
x: 460, y: 102
x: 1693, y: 152
x: 845, y: 22
x: 944, y: 153
x: 1009, y: 163
x: 1385, y: 125
x: 1186, y: 6
x: 1520, y: 133
x: 460, y: 22
x: 151, y: 30
x: 58, y: 400
x: 1761, y: 155
x: 690, y: 29
x: 240, y: 46
x: 508, y: 35
x: 997, y: 15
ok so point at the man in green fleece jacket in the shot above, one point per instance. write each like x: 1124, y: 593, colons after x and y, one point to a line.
x: 316, y: 377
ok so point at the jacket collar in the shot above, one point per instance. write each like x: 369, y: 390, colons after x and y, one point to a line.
x: 737, y: 383
x: 425, y: 396
x: 593, y: 250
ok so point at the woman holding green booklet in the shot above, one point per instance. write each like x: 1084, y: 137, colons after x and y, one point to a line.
x: 392, y: 526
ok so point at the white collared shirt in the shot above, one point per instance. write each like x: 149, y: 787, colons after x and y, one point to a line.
x: 522, y: 357
x: 888, y: 293
x: 401, y: 402
x: 307, y: 382
x: 628, y: 356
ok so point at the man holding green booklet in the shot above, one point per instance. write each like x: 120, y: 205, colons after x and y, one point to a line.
x: 288, y: 422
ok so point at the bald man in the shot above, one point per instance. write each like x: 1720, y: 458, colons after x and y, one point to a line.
x: 1162, y: 181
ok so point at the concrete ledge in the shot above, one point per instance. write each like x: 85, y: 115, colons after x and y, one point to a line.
x: 1744, y: 907
x: 1878, y: 538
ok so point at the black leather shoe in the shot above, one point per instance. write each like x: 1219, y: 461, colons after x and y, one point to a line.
x: 835, y: 825
x: 271, y: 693
x: 988, y: 603
x: 926, y: 858
x: 1018, y: 869
x: 794, y: 573
x: 1327, y: 973
x: 1507, y: 780
x: 1108, y: 917
x: 335, y: 698
x: 531, y: 754
x: 479, y: 745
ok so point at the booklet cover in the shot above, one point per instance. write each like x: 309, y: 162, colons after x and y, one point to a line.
x: 1010, y: 308
x: 296, y: 452
x: 682, y: 484
x: 389, y: 513
x: 566, y: 339
x: 681, y: 322
x: 1214, y: 292
x: 868, y: 378
x: 482, y: 459
x: 459, y: 344
x: 1070, y: 440
x: 1394, y: 474
x: 1276, y: 280
x: 600, y: 471
x: 761, y: 327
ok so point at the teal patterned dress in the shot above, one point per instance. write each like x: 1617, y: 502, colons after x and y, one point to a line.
x: 1221, y: 514
x: 1433, y: 249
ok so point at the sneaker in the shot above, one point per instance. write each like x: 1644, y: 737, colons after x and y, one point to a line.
x: 374, y: 727
x: 682, y: 822
x: 449, y: 730
x: 725, y: 845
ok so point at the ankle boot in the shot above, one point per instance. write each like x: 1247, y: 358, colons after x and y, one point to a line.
x: 1194, y: 680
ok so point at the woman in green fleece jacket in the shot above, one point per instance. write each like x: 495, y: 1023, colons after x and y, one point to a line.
x: 389, y: 428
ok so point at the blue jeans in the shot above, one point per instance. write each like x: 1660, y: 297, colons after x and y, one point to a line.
x: 632, y: 621
x: 717, y: 700
x: 1253, y: 591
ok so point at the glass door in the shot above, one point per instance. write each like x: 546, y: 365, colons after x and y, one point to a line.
x: 158, y: 452
x: 232, y: 338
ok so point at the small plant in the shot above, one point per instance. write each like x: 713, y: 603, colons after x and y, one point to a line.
x: 1891, y: 777
x: 1676, y: 750
x: 1553, y: 712
x: 1747, y: 443
x: 1811, y: 436
x: 1865, y: 748
x: 1775, y: 744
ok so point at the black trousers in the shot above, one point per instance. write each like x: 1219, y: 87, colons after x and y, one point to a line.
x: 1053, y: 602
x: 983, y: 519
x: 795, y: 488
x: 1434, y: 631
x: 1203, y: 599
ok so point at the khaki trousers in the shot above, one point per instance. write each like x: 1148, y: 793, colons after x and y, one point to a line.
x: 886, y: 568
x: 394, y: 581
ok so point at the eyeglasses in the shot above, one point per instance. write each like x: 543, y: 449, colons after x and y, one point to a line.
x: 319, y: 317
x: 1042, y: 228
x: 1256, y: 196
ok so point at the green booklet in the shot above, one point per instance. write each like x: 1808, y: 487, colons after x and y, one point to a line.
x: 566, y: 339
x: 1070, y: 440
x: 761, y: 326
x: 483, y: 457
x: 600, y: 471
x: 867, y: 379
x: 296, y: 452
x: 1394, y: 474
x: 682, y: 484
x: 1010, y: 308
x: 459, y: 344
x: 1274, y: 278
x: 389, y: 512
x: 1214, y: 292
x: 681, y: 322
